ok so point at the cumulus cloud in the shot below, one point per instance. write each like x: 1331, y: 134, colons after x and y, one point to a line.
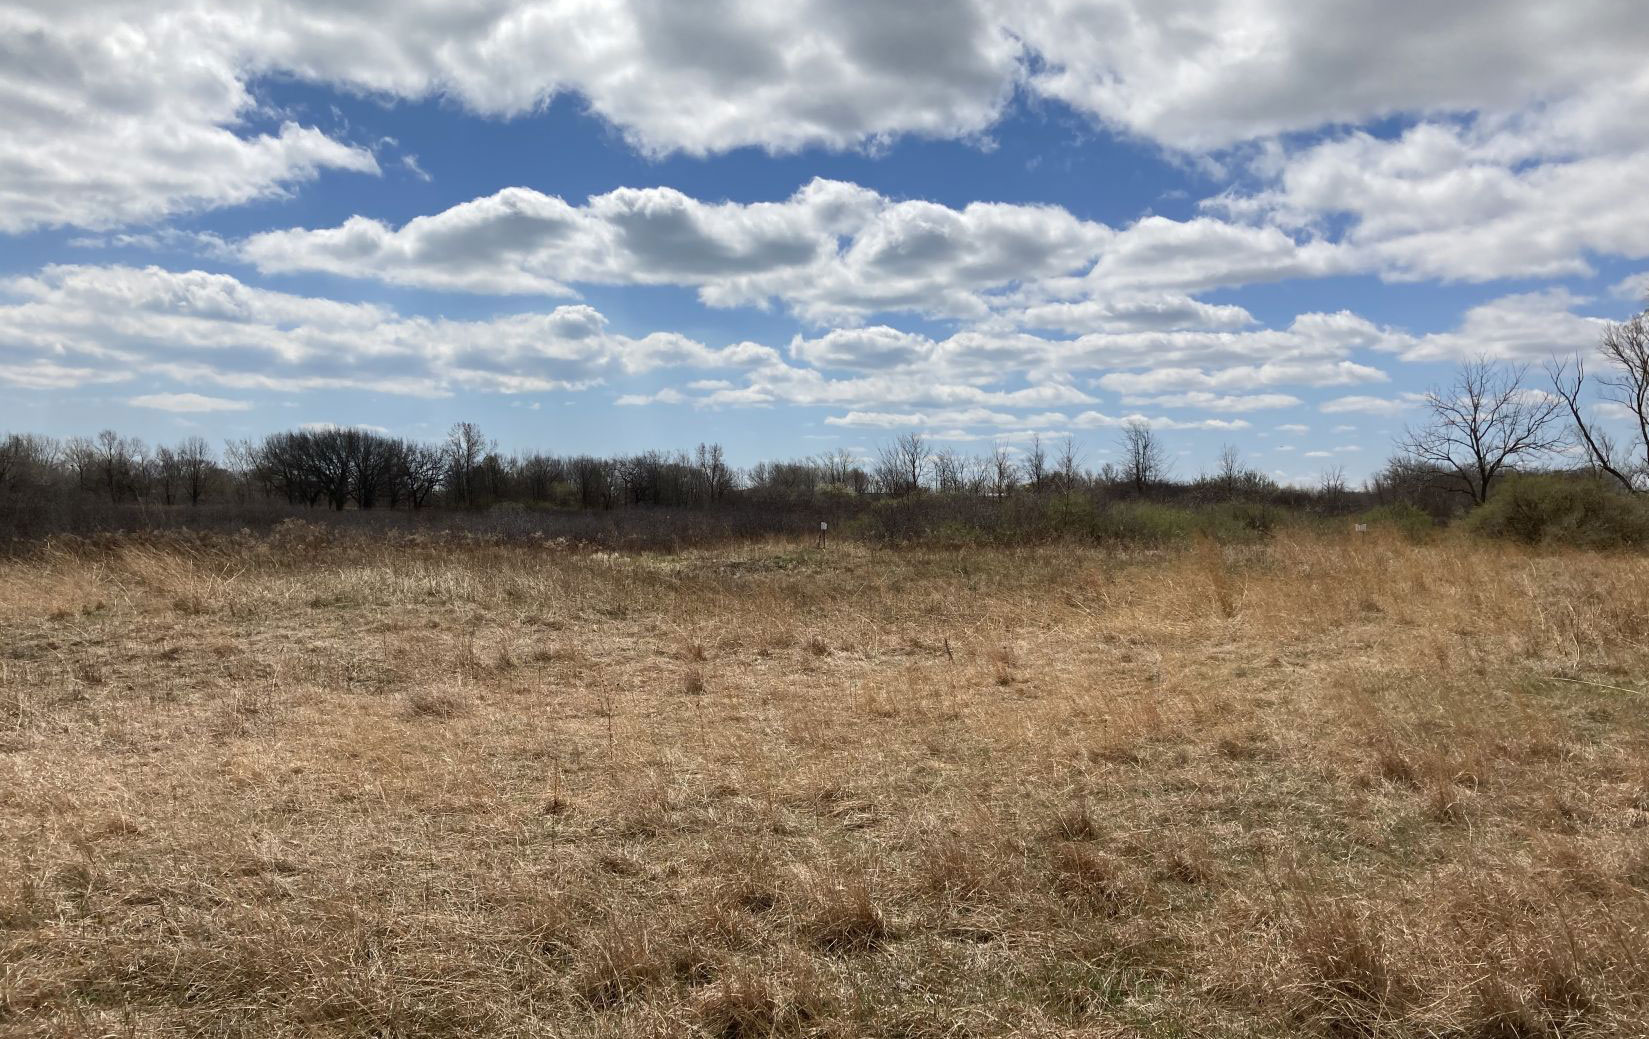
x: 114, y: 117
x: 1145, y: 312
x: 1228, y: 402
x: 1042, y: 421
x: 119, y: 112
x: 1524, y: 193
x: 1324, y: 372
x: 1530, y: 327
x: 181, y: 403
x: 1200, y: 76
x: 69, y: 325
x: 1524, y: 152
x: 72, y: 324
x: 1364, y: 405
x: 1634, y: 287
x: 833, y: 251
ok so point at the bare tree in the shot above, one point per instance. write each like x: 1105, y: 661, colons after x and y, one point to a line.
x: 1625, y: 350
x: 26, y: 461
x: 422, y: 467
x: 1331, y: 483
x: 372, y: 462
x: 240, y: 466
x: 168, y: 473
x: 1144, y: 459
x: 195, y: 464
x: 1004, y: 475
x: 840, y: 469
x: 949, y: 471
x: 113, y: 454
x: 1484, y: 422
x: 1230, y: 472
x: 712, y: 466
x: 899, y: 465
x: 465, y: 447
x: 1068, y: 466
x: 1036, y: 464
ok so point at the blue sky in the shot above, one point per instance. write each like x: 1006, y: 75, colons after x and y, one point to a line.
x: 800, y: 226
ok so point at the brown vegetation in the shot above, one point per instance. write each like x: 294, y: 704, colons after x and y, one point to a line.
x: 321, y: 784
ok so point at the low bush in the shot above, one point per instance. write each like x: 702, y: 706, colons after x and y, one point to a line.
x: 1411, y: 521
x: 1552, y: 509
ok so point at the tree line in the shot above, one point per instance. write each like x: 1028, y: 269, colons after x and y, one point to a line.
x: 1490, y: 421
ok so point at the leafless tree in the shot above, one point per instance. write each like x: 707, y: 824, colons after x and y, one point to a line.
x: 195, y: 466
x: 1331, y: 483
x: 949, y: 471
x: 240, y: 467
x: 712, y: 466
x: 1230, y: 470
x: 1144, y: 459
x: 1004, y: 475
x: 841, y: 470
x: 26, y: 462
x: 168, y: 474
x: 1483, y: 423
x: 899, y: 465
x: 113, y: 457
x: 1035, y: 465
x: 372, y: 461
x: 465, y: 447
x: 1625, y: 350
x: 423, y: 467
x: 976, y: 474
x: 1068, y: 466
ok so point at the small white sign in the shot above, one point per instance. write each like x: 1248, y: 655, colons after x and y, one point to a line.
x: 1361, y: 528
x: 823, y: 525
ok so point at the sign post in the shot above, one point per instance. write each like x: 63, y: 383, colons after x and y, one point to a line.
x: 823, y: 526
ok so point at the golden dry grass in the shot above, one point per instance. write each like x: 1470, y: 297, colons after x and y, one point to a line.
x: 1316, y: 786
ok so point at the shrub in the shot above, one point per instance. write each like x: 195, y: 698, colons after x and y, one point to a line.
x: 1409, y: 520
x: 1548, y: 508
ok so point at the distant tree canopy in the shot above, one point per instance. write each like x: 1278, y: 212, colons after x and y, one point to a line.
x: 1483, y: 427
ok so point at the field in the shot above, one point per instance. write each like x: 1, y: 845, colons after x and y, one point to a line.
x: 320, y: 784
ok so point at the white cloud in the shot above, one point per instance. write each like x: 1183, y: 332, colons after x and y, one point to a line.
x: 832, y: 251
x: 410, y: 162
x: 114, y: 117
x: 1204, y: 253
x: 1363, y: 405
x: 1524, y: 155
x: 327, y: 427
x: 863, y: 348
x: 119, y: 112
x: 69, y: 325
x: 42, y: 374
x: 187, y: 402
x: 1633, y: 287
x: 1519, y: 193
x: 1530, y: 326
x: 1154, y: 312
x: 75, y: 324
x: 1196, y: 75
x: 664, y: 396
x: 1217, y: 402
x: 1036, y: 422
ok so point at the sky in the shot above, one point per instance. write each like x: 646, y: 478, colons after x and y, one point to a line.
x: 794, y: 226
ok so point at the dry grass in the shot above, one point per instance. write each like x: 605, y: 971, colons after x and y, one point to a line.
x: 1319, y: 786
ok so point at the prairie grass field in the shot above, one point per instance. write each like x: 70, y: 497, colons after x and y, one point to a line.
x: 356, y: 785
